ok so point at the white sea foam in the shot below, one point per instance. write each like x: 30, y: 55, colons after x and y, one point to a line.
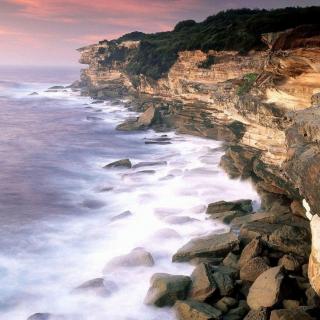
x: 68, y: 251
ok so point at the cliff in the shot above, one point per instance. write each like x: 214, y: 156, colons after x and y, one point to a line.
x: 264, y: 104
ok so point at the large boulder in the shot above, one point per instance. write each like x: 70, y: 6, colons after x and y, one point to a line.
x: 203, y: 284
x: 216, y: 245
x: 265, y: 291
x: 314, y: 260
x: 253, y: 268
x: 223, y: 206
x: 194, y: 310
x: 138, y: 257
x: 166, y: 289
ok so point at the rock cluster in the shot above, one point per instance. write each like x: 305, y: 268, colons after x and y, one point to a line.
x: 258, y: 271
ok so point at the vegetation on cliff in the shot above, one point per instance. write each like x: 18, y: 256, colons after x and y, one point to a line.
x: 238, y: 30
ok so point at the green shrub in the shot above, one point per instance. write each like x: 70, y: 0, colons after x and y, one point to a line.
x: 207, y: 63
x: 248, y: 81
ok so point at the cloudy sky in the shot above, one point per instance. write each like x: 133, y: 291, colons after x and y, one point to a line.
x: 47, y: 32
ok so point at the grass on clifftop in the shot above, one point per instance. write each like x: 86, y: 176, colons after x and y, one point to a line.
x: 238, y: 30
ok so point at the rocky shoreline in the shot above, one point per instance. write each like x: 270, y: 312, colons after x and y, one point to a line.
x: 265, y: 107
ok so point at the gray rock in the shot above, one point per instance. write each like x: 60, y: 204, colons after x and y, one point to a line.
x: 224, y: 283
x: 166, y: 289
x: 123, y: 163
x: 194, y: 310
x: 237, y: 313
x: 149, y: 164
x: 203, y: 284
x: 122, y: 215
x: 216, y: 245
x: 179, y: 219
x: 97, y: 286
x: 231, y: 260
x: 223, y: 206
x: 138, y: 257
x: 225, y: 304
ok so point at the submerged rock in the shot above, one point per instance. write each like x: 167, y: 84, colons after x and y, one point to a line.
x: 93, y: 204
x: 97, y: 286
x: 138, y: 257
x: 46, y: 316
x: 33, y: 94
x: 123, y: 163
x: 122, y: 215
x: 149, y: 164
x: 191, y: 309
x: 265, y: 291
x: 216, y: 245
x: 166, y: 289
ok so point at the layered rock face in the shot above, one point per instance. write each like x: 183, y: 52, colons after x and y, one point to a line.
x: 264, y: 104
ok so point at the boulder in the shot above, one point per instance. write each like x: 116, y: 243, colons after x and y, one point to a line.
x: 123, y: 163
x: 216, y: 245
x: 237, y: 313
x: 265, y: 291
x: 231, y: 260
x: 223, y: 206
x: 257, y: 315
x: 166, y: 289
x: 253, y: 268
x: 97, y: 286
x: 290, y: 263
x: 203, y: 284
x: 290, y: 304
x: 227, y: 217
x: 313, y: 299
x: 285, y: 314
x: 138, y: 257
x: 147, y: 117
x: 251, y: 250
x: 225, y: 304
x: 224, y: 282
x: 40, y: 316
x: 290, y: 239
x: 194, y: 310
x: 122, y: 215
x: 298, y: 209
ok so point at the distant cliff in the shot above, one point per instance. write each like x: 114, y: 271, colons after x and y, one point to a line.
x: 238, y: 82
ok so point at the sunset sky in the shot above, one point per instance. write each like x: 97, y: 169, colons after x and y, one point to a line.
x: 47, y: 32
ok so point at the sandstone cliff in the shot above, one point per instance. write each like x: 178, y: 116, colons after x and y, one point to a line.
x: 264, y: 104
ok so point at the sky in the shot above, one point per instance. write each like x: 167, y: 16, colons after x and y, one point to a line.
x: 48, y: 32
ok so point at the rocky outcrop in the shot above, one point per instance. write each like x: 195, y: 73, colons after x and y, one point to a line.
x: 265, y: 105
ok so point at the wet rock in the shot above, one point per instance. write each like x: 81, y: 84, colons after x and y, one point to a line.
x: 226, y: 217
x: 237, y: 313
x: 223, y: 206
x: 250, y: 218
x: 93, y: 204
x: 251, y: 250
x: 216, y: 245
x: 290, y: 304
x: 257, y: 315
x: 56, y: 88
x: 203, y: 284
x: 138, y: 257
x: 149, y: 164
x: 231, y: 260
x: 97, y: 102
x: 122, y: 215
x: 179, y: 219
x: 157, y: 142
x: 290, y: 262
x: 233, y: 273
x: 225, y: 304
x: 40, y: 316
x: 194, y: 310
x: 253, y: 268
x: 93, y: 118
x: 285, y: 314
x: 265, y: 291
x: 140, y: 173
x: 97, y: 286
x: 33, y: 94
x: 166, y: 289
x: 123, y: 163
x: 224, y: 282
x: 166, y: 233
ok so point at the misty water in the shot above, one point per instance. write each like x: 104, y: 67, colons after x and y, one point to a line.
x: 57, y: 203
